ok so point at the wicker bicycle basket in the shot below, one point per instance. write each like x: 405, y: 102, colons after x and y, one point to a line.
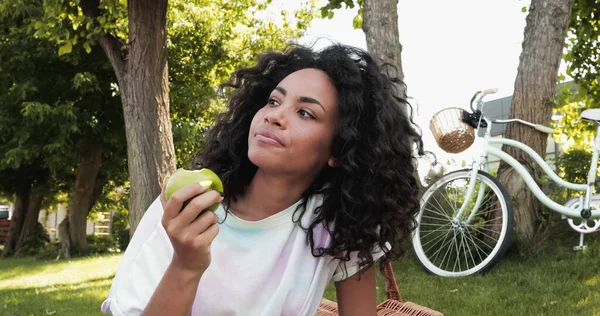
x: 450, y: 132
x: 393, y: 306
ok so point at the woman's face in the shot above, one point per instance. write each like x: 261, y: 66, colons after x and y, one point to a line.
x: 292, y: 134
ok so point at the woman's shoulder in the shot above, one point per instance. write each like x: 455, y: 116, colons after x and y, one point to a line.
x: 311, y: 209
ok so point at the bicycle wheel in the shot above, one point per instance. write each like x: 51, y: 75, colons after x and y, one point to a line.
x: 445, y: 245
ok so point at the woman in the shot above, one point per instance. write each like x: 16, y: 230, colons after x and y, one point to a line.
x: 316, y: 156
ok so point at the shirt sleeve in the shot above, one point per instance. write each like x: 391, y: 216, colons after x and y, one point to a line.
x: 144, y: 263
x: 346, y: 269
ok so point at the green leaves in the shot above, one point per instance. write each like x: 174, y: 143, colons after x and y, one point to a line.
x: 67, y: 48
x: 54, y: 103
x: 583, y: 50
x: 327, y: 10
x: 573, y: 133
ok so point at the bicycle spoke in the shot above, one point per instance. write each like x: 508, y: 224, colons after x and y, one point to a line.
x: 489, y: 211
x: 449, y: 203
x: 439, y: 229
x: 436, y: 254
x: 458, y: 257
x: 483, y: 242
x: 490, y: 230
x: 441, y: 237
x: 447, y: 250
x: 488, y: 236
x: 468, y: 249
x: 477, y: 248
x: 441, y: 214
x: 440, y: 205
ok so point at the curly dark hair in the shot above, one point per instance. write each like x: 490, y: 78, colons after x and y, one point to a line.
x: 371, y: 195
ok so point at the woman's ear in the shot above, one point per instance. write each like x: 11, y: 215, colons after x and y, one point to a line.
x: 331, y: 162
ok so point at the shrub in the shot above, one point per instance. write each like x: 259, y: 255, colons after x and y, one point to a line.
x: 101, y: 244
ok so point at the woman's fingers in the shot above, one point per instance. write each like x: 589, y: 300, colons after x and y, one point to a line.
x: 177, y: 199
x: 198, y: 204
x: 203, y: 222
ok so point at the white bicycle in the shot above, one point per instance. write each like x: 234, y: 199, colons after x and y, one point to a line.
x: 466, y: 216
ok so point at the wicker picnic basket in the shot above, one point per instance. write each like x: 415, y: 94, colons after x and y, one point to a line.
x: 450, y: 132
x: 393, y: 306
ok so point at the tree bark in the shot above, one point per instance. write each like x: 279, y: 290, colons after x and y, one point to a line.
x: 150, y: 149
x: 533, y: 99
x: 64, y: 250
x: 29, y: 237
x: 141, y: 69
x: 16, y: 222
x: 380, y: 24
x: 82, y: 196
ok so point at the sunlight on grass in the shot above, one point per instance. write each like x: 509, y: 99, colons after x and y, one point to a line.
x: 593, y: 281
x: 60, y: 273
x: 75, y: 287
x: 563, y: 283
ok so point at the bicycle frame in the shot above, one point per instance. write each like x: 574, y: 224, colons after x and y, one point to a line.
x: 481, y: 164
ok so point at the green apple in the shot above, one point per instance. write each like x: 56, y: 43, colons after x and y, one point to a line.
x: 182, y: 178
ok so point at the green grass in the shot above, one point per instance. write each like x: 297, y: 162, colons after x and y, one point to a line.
x: 564, y: 283
x: 35, y: 287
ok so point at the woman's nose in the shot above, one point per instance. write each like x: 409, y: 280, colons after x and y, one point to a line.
x: 276, y: 117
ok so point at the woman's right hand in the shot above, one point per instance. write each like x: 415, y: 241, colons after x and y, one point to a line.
x: 191, y: 235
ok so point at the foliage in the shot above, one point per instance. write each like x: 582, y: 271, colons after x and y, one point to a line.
x: 327, y: 10
x: 100, y: 244
x: 572, y: 132
x: 435, y: 173
x: 52, y: 107
x: 583, y: 50
x: 120, y: 229
x: 582, y: 55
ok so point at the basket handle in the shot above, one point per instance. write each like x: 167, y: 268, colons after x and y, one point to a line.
x: 391, y: 287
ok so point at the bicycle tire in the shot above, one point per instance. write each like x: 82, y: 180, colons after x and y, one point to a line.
x: 434, y: 218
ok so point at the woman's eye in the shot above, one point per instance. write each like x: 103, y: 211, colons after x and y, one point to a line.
x: 306, y: 114
x: 273, y: 102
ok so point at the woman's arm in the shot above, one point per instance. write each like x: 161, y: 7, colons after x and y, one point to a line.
x: 357, y: 297
x: 175, y: 293
x: 191, y: 233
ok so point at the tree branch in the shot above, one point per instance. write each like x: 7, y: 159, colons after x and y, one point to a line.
x: 115, y: 50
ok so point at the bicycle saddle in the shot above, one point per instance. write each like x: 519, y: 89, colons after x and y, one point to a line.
x: 591, y: 115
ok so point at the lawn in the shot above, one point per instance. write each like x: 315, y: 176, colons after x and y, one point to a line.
x: 565, y: 283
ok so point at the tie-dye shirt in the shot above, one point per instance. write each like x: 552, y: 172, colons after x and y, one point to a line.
x: 257, y: 268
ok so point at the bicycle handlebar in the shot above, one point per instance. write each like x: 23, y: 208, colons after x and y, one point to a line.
x: 480, y: 94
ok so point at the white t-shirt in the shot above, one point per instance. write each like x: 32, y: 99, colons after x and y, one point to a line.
x: 257, y: 268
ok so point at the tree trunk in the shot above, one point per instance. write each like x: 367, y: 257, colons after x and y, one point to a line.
x: 380, y: 24
x: 16, y: 222
x: 30, y: 239
x: 141, y: 69
x: 150, y: 150
x: 64, y: 250
x: 82, y: 196
x: 533, y: 99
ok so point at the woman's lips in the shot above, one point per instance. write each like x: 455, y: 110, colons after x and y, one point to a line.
x: 268, y: 137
